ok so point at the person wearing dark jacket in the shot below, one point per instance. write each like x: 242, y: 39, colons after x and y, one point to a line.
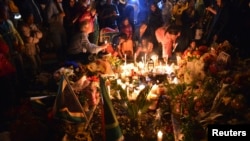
x: 80, y: 48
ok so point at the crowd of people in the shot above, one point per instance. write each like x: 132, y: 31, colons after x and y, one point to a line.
x: 73, y: 27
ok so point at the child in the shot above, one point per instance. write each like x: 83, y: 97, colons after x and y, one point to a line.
x: 31, y: 35
x: 145, y: 48
x: 127, y: 28
x: 125, y: 47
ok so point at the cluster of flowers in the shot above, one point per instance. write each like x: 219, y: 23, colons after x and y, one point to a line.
x: 210, y: 88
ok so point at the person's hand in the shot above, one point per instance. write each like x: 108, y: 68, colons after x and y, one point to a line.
x: 38, y: 35
x: 104, y: 47
x: 114, y: 14
x: 62, y: 14
x: 93, y: 12
x: 84, y: 50
x: 209, y: 8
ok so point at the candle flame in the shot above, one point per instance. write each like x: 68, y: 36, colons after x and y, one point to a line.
x: 159, y: 135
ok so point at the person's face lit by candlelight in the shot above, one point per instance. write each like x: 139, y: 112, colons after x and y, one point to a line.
x: 152, y: 8
x: 71, y: 3
x: 126, y: 22
x: 86, y: 27
x: 193, y: 44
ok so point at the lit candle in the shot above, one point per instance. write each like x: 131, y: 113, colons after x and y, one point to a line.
x: 169, y: 69
x: 178, y: 58
x: 158, y: 115
x: 154, y: 58
x: 139, y: 113
x: 167, y: 59
x: 119, y: 81
x: 125, y: 59
x: 159, y: 135
x: 127, y: 91
x: 109, y: 91
x: 175, y: 81
x: 161, y: 68
x: 135, y: 58
x: 123, y: 86
x: 141, y: 87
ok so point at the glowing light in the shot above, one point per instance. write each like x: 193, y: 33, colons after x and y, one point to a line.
x: 17, y: 16
x: 159, y: 135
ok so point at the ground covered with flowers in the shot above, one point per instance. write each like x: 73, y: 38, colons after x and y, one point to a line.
x: 213, y: 88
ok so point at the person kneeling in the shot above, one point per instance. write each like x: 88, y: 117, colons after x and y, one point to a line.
x: 80, y: 48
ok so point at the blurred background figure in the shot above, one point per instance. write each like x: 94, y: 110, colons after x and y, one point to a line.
x: 70, y: 9
x: 109, y: 15
x: 31, y: 35
x: 88, y: 12
x: 11, y: 36
x: 127, y: 28
x: 55, y: 17
x: 11, y: 49
x: 145, y: 48
x: 219, y: 21
x: 166, y: 11
x: 31, y: 6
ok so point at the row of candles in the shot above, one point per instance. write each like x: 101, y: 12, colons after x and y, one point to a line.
x: 131, y: 70
x: 150, y: 64
x: 143, y: 59
x: 154, y: 58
